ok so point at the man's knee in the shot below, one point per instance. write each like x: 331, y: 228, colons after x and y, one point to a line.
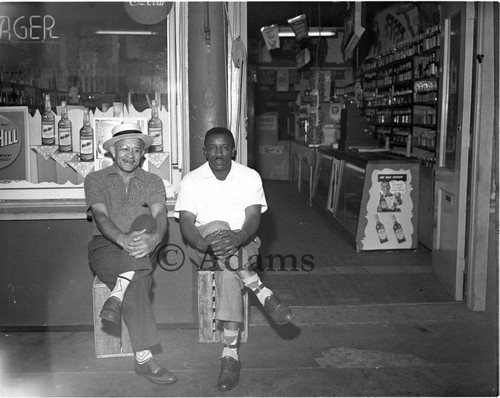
x: 213, y: 226
x: 144, y: 221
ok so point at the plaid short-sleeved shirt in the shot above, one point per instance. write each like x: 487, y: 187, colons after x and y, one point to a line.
x: 106, y: 186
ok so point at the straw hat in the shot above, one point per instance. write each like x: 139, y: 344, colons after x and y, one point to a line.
x: 126, y: 131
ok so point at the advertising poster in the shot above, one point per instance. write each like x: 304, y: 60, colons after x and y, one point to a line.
x: 282, y: 80
x: 395, y: 24
x: 390, y: 219
x: 266, y: 128
x: 102, y: 130
x: 14, y: 144
x: 271, y: 36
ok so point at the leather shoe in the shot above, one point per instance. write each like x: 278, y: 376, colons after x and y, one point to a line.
x: 154, y: 372
x: 112, y: 310
x: 280, y: 313
x: 229, y: 374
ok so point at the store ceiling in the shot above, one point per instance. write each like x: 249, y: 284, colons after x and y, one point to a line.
x: 264, y: 13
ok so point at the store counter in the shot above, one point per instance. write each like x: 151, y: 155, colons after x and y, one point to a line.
x: 372, y: 197
x: 302, y: 161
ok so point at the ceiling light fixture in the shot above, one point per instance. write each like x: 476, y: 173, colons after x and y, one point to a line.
x: 125, y: 32
x: 286, y: 31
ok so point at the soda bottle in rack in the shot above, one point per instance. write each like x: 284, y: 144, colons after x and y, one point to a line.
x: 86, y: 139
x: 155, y: 129
x: 48, y: 124
x: 65, y: 130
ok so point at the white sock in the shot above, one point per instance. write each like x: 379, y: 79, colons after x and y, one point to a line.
x: 255, y: 284
x: 143, y: 356
x: 122, y: 283
x: 231, y: 344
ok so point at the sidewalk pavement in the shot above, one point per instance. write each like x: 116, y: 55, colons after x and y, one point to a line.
x: 438, y: 349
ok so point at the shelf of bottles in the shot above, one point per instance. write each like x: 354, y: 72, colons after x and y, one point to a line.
x: 58, y: 141
x: 400, y: 89
x: 29, y: 89
x: 15, y: 94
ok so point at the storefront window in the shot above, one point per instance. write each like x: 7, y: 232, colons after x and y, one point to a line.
x: 86, y: 53
x: 90, y: 55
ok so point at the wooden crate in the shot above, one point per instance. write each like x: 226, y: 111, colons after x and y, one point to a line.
x: 110, y: 340
x: 207, y: 301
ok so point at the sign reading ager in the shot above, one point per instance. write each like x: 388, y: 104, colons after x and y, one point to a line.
x: 29, y: 28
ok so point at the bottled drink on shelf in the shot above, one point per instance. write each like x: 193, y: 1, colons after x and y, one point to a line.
x: 86, y: 139
x: 382, y: 234
x: 65, y: 130
x: 155, y: 129
x: 48, y: 124
x: 398, y: 230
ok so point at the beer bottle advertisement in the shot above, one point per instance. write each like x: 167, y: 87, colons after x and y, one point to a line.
x: 13, y: 145
x: 389, y: 210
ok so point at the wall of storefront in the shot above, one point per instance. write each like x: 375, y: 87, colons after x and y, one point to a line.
x: 47, y: 281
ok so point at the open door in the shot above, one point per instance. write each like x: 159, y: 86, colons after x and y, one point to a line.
x: 450, y: 228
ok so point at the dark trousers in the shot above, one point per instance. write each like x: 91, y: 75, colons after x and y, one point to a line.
x: 108, y: 260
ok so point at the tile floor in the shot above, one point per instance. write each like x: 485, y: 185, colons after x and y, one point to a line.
x: 367, y: 324
x: 333, y: 272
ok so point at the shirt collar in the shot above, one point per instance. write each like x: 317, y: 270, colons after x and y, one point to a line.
x: 206, y: 171
x: 138, y: 174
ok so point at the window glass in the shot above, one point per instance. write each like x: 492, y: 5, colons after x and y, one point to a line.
x: 68, y: 49
x: 452, y: 124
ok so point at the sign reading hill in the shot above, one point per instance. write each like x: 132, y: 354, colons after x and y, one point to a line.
x: 10, y: 142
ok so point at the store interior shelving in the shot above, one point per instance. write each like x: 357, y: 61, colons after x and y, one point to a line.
x: 399, y: 96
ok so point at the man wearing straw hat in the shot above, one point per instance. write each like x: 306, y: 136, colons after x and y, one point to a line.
x: 129, y: 221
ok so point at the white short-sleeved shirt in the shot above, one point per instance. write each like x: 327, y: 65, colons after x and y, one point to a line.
x: 210, y: 199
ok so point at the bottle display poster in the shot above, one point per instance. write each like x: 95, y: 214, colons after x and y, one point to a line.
x: 282, y: 81
x: 14, y: 144
x: 102, y: 130
x: 390, y: 219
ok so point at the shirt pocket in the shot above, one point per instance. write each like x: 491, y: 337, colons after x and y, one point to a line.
x: 138, y: 201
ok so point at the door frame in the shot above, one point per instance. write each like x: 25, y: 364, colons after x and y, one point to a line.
x: 456, y: 180
x: 483, y: 126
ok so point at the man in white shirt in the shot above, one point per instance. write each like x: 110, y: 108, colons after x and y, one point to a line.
x: 219, y: 207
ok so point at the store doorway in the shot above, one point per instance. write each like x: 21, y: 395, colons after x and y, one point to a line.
x: 451, y: 194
